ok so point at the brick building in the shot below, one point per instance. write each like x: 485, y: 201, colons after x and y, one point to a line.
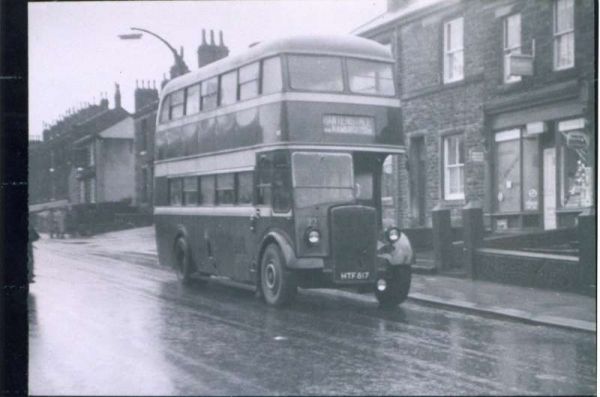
x: 497, y: 107
x: 146, y: 106
x: 85, y: 158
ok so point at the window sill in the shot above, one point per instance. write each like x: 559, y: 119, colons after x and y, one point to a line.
x: 569, y: 210
x: 454, y: 200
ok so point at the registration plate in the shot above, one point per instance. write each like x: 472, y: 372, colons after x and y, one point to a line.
x: 354, y: 276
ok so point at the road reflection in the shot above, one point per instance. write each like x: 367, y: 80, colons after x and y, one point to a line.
x: 325, y: 345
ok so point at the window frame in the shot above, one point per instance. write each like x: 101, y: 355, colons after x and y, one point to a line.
x: 184, y: 200
x: 206, y: 94
x: 446, y: 174
x: 203, y: 184
x: 165, y: 110
x: 447, y: 53
x: 235, y: 86
x: 177, y: 105
x: 170, y: 187
x: 262, y: 75
x: 348, y: 60
x: 507, y: 50
x: 244, y: 83
x: 220, y: 189
x: 558, y: 35
x: 249, y: 173
x: 187, y: 99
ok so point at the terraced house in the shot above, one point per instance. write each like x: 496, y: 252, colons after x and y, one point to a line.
x: 497, y: 107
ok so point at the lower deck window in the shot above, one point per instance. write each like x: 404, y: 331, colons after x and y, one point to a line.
x: 244, y: 188
x: 207, y: 190
x: 225, y: 189
x: 175, y: 193
x: 190, y: 191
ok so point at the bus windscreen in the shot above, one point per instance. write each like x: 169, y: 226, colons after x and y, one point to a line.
x: 321, y: 178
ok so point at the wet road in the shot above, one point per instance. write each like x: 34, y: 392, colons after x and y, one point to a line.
x: 104, y: 321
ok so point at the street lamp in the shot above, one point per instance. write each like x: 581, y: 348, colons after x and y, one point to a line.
x: 179, y: 67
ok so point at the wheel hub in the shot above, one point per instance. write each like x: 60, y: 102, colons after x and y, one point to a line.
x: 270, y: 276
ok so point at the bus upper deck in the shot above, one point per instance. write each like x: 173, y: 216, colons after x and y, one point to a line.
x: 303, y: 89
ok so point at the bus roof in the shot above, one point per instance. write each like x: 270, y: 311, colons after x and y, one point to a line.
x: 341, y: 45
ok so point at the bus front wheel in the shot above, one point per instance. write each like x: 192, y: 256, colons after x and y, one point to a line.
x: 277, y: 283
x: 182, y: 266
x: 397, y: 287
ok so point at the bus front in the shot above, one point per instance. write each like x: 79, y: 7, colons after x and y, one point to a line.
x: 343, y: 127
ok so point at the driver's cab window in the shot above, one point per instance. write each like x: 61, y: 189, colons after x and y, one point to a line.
x: 366, y: 171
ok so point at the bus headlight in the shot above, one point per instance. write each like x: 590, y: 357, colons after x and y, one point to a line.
x: 392, y: 234
x: 313, y: 236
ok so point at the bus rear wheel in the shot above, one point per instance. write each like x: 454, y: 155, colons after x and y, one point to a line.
x: 397, y: 287
x: 278, y: 284
x: 182, y: 265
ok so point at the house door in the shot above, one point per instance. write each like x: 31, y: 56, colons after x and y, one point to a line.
x: 550, y: 188
x: 417, y: 179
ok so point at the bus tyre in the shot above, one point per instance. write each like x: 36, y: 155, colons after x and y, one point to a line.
x: 278, y: 284
x: 398, y: 285
x: 182, y: 265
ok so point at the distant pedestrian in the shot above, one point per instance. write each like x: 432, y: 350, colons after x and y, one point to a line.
x: 52, y: 224
x: 60, y: 223
x: 33, y: 236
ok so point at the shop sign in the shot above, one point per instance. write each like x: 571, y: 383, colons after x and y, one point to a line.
x: 477, y: 156
x: 531, y: 203
x: 520, y: 65
x: 576, y: 124
x: 577, y: 140
x: 535, y: 128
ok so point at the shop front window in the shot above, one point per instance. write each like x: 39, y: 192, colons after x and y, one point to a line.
x: 575, y: 165
x: 517, y: 171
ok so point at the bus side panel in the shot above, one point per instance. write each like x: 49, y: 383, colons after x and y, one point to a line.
x: 166, y: 231
x: 261, y: 124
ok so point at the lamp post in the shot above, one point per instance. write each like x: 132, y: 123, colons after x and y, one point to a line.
x: 179, y: 67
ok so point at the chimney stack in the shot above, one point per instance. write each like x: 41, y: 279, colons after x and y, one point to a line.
x: 209, y: 53
x: 117, y: 96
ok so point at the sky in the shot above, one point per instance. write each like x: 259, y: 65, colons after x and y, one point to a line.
x: 75, y: 54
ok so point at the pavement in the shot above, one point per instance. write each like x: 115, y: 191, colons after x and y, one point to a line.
x: 530, y: 305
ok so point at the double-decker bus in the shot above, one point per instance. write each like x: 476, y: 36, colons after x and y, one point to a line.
x: 268, y: 170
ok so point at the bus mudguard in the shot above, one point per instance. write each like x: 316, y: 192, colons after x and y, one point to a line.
x: 399, y: 253
x: 292, y: 262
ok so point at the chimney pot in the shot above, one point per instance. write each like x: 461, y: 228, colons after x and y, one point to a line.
x: 221, y: 44
x: 212, y: 37
x: 203, y: 37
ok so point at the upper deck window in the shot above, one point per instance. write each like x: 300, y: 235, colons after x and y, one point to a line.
x: 229, y: 88
x: 192, y: 101
x: 209, y: 91
x: 271, y: 75
x: 368, y: 77
x: 316, y: 73
x: 164, y: 111
x: 177, y: 101
x: 249, y: 81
